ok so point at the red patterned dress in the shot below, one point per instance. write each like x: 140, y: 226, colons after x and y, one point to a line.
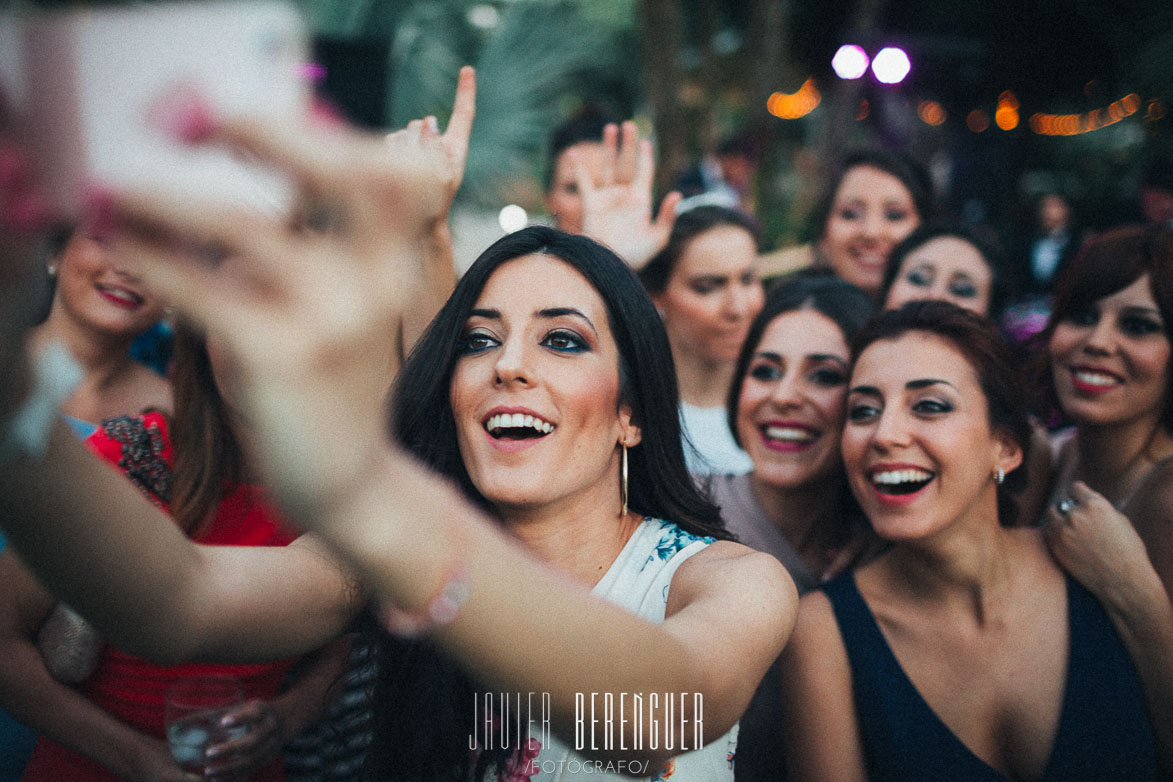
x: 132, y: 688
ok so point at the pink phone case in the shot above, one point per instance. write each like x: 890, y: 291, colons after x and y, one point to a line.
x: 83, y: 84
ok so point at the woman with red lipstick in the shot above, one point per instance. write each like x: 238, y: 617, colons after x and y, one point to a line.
x: 786, y: 405
x: 1111, y: 519
x: 98, y: 311
x: 705, y: 285
x: 964, y: 651
x: 562, y: 551
x: 107, y: 723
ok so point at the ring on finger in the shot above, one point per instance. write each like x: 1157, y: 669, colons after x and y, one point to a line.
x: 1065, y: 505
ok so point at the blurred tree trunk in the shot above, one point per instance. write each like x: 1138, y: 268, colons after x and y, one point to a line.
x: 844, y: 96
x: 767, y: 36
x: 661, y: 28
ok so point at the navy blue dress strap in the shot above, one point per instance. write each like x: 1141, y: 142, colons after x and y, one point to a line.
x: 1103, y: 731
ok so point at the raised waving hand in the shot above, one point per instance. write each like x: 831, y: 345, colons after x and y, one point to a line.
x: 617, y: 208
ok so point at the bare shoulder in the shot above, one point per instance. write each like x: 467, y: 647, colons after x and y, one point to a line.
x: 726, y: 562
x: 151, y: 390
x: 737, y: 582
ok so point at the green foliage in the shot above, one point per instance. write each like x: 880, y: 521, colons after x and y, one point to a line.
x: 535, y: 63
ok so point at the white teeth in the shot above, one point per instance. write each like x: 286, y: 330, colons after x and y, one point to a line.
x: 789, y: 434
x: 1095, y: 379
x: 893, y: 477
x: 517, y: 421
x: 124, y: 295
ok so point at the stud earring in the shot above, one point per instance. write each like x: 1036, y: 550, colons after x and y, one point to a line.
x: 623, y: 480
x: 999, y: 475
x: 51, y: 269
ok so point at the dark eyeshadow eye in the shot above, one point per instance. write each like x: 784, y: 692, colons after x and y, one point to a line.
x: 765, y: 372
x: 862, y: 412
x: 1139, y: 326
x: 564, y: 341
x: 964, y: 290
x: 1083, y: 316
x: 828, y: 377
x: 475, y: 342
x: 931, y: 406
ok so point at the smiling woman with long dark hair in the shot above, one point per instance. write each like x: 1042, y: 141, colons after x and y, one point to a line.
x: 964, y: 651
x: 560, y: 550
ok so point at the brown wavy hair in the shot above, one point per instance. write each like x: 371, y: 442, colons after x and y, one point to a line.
x: 208, y: 459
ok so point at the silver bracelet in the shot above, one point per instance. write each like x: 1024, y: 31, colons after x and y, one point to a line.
x: 26, y: 433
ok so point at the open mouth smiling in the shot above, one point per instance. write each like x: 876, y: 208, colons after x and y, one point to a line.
x: 900, y: 482
x: 516, y: 426
x: 119, y: 295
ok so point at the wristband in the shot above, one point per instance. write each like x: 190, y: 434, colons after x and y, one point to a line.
x: 55, y: 374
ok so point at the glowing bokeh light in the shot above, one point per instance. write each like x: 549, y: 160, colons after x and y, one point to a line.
x: 850, y: 62
x: 796, y: 104
x: 512, y: 218
x: 977, y: 121
x: 483, y: 16
x: 891, y: 65
x: 1074, y: 124
x: 931, y: 113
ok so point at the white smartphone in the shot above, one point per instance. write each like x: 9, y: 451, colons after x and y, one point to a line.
x: 82, y: 83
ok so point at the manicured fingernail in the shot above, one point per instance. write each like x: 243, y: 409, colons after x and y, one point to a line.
x: 185, y: 115
x: 98, y: 213
x: 28, y: 213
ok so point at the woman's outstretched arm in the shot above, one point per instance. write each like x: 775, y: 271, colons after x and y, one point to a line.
x: 306, y: 320
x: 100, y: 546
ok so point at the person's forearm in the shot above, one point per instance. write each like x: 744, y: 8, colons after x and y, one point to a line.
x: 406, y: 534
x: 77, y: 524
x: 437, y: 279
x: 60, y: 713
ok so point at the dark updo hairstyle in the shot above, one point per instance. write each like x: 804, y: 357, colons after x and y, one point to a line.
x: 583, y: 127
x: 911, y: 174
x: 688, y: 226
x: 423, y: 735
x: 991, y: 253
x: 1104, y: 266
x: 975, y: 338
x: 840, y: 301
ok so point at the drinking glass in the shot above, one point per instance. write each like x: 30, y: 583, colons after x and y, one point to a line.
x: 194, y: 709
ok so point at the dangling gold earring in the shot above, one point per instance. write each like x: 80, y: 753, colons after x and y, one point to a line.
x: 623, y: 477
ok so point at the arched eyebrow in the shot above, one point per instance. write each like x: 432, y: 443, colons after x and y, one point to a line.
x: 766, y: 354
x: 911, y: 385
x: 1134, y: 310
x: 548, y: 313
x: 559, y: 312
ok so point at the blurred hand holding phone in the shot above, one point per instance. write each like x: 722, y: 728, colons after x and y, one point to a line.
x: 97, y: 95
